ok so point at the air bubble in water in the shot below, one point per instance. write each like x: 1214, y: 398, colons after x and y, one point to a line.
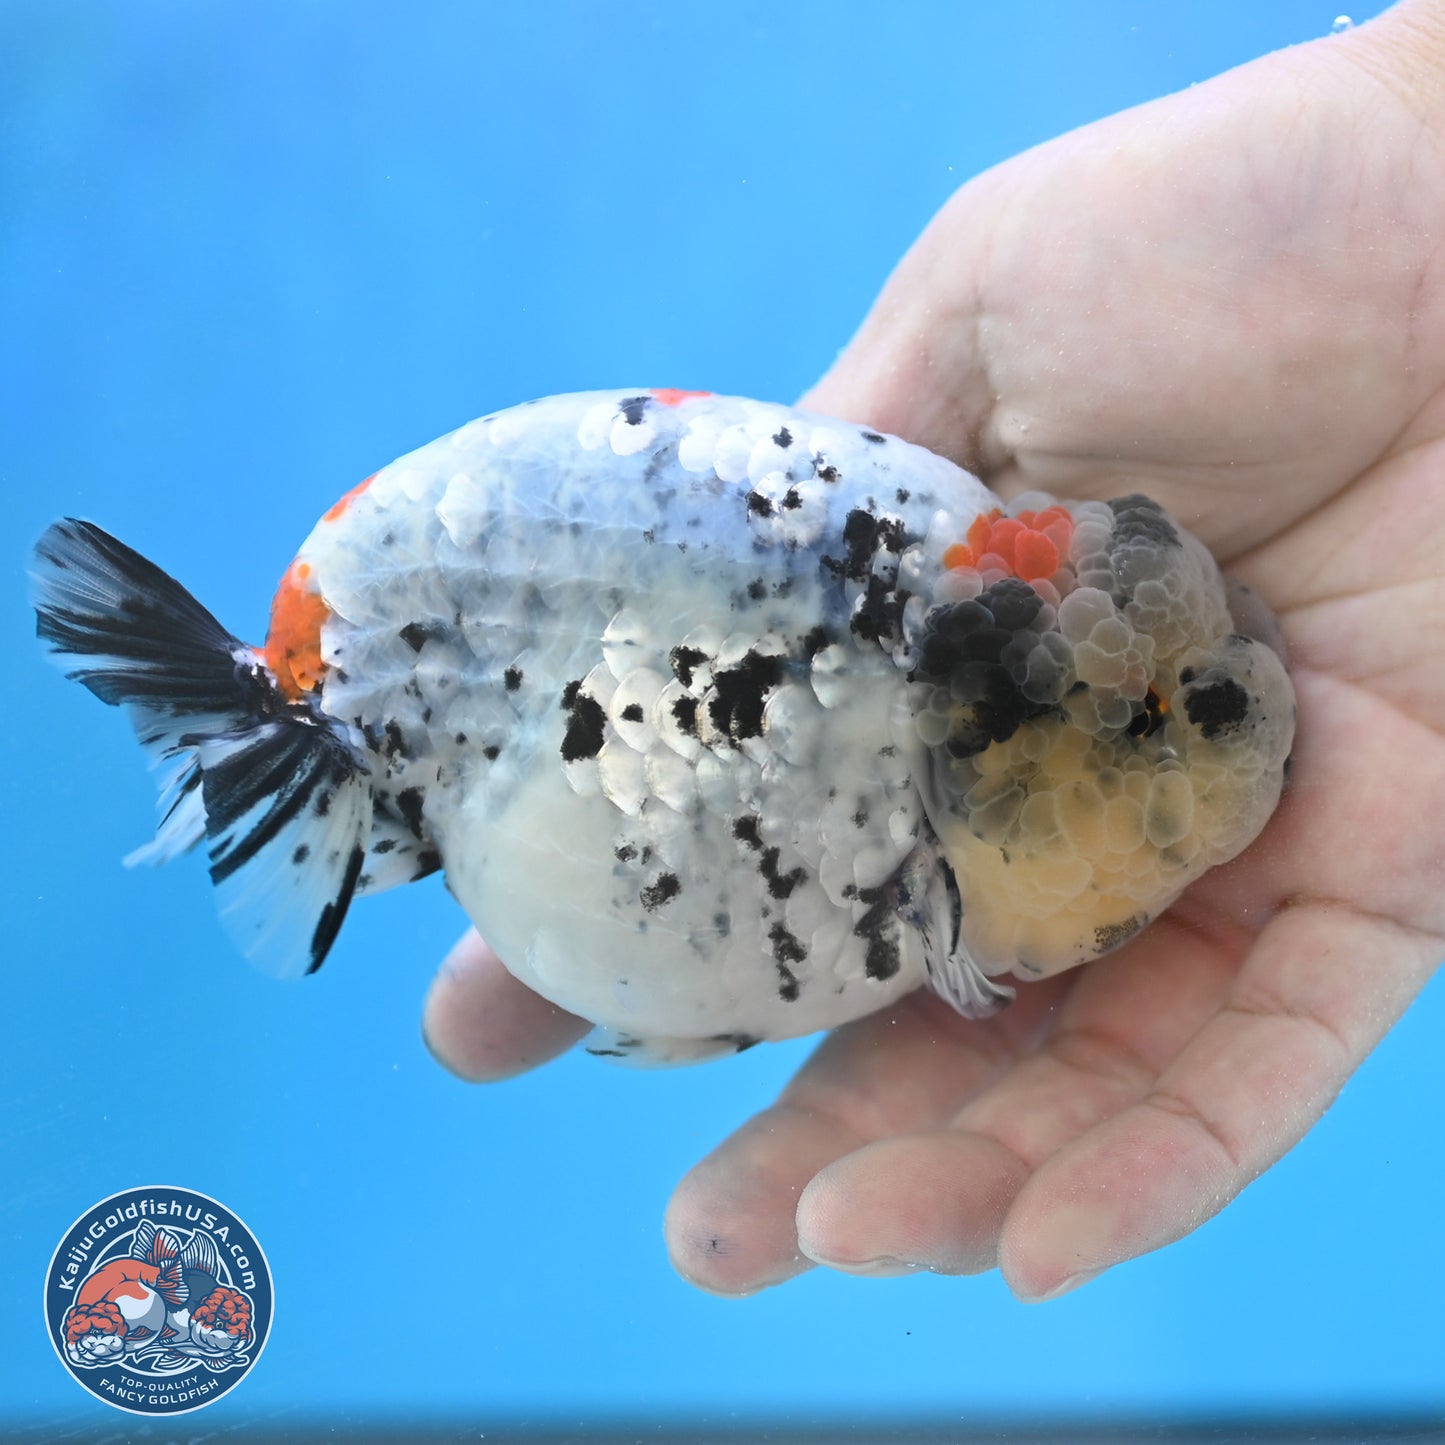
x: 1342, y: 23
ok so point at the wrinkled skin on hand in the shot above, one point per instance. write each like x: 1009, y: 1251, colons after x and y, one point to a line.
x: 1232, y: 299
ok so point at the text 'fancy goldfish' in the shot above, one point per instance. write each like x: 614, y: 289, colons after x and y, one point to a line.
x: 726, y: 722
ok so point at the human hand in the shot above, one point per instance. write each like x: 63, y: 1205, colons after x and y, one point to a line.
x: 1231, y: 299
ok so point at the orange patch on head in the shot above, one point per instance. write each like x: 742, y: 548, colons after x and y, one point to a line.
x: 293, y: 645
x: 670, y: 396
x: 348, y: 499
x: 1029, y: 546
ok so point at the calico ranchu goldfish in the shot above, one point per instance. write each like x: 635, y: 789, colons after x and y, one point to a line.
x: 726, y: 722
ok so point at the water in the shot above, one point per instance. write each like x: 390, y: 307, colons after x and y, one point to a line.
x: 251, y: 254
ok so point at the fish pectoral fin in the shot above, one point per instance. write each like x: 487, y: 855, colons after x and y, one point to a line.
x: 934, y: 907
x: 958, y: 979
x: 288, y: 811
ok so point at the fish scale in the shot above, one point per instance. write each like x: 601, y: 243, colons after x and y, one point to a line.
x: 725, y: 721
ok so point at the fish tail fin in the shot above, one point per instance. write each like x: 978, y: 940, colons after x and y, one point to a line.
x: 280, y: 792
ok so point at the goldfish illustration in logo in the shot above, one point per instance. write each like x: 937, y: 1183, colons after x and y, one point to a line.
x: 162, y: 1305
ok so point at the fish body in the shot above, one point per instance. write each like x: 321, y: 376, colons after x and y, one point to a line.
x: 726, y: 722
x: 162, y: 1298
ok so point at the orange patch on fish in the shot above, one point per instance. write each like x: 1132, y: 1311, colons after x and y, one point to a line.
x: 339, y: 507
x: 293, y: 644
x: 670, y: 395
x: 1029, y: 546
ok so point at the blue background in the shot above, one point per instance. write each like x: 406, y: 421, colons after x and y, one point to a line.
x: 249, y: 252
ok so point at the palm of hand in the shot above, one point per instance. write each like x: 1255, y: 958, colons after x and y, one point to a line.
x: 1229, y: 300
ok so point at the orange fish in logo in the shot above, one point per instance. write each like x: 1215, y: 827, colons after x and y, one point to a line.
x: 142, y: 1300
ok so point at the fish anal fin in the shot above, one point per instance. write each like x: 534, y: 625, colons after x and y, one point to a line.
x: 288, y: 811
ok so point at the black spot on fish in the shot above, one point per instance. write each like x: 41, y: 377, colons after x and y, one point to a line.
x: 632, y: 409
x: 491, y: 752
x: 656, y: 894
x: 650, y: 535
x: 632, y: 712
x: 459, y: 739
x: 783, y: 438
x: 1111, y: 935
x: 863, y: 535
x: 684, y: 710
x: 903, y: 494
x: 586, y: 724
x: 780, y: 885
x: 745, y: 830
x: 569, y: 693
x: 970, y: 646
x: 757, y: 589
x: 1217, y: 708
x: 512, y: 678
x: 740, y: 693
x: 872, y: 436
x: 385, y: 845
x: 878, y: 613
x: 301, y: 854
x: 395, y: 739
x: 683, y: 660
x: 416, y: 635
x: 624, y: 853
x: 815, y: 641
x: 825, y: 469
x: 323, y: 802
x: 791, y: 500
x: 879, y: 928
x: 759, y: 505
x: 427, y: 862
x: 410, y: 801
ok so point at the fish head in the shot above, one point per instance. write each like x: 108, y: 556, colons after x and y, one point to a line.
x: 1098, y: 730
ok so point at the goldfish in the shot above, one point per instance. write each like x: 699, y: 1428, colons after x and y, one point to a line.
x: 724, y: 721
x: 162, y: 1298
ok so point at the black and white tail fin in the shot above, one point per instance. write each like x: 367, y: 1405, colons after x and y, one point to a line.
x: 280, y: 792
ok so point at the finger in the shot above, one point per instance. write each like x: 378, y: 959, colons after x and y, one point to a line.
x: 938, y: 1201
x: 484, y: 1025
x: 1322, y: 986
x: 731, y: 1226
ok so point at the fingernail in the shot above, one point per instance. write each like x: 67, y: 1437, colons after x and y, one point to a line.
x: 885, y: 1266
x: 1069, y: 1282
